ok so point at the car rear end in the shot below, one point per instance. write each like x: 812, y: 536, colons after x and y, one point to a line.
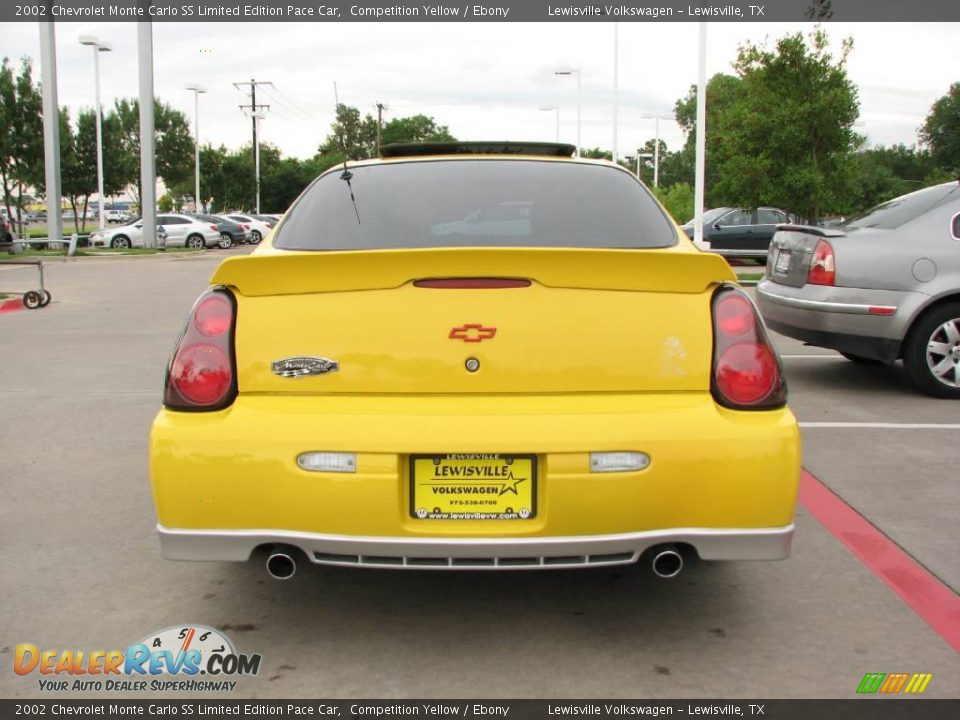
x: 362, y: 392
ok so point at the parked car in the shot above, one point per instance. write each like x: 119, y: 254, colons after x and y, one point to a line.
x: 182, y: 231
x: 884, y: 286
x: 521, y: 400
x: 735, y: 232
x: 117, y: 216
x: 231, y: 232
x: 258, y: 226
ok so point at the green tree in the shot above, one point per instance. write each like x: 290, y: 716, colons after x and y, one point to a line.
x: 723, y: 92
x: 787, y: 139
x: 941, y: 130
x: 174, y: 144
x: 351, y: 137
x: 21, y: 135
x: 677, y: 199
x: 415, y: 128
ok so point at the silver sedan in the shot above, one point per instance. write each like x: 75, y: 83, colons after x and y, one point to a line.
x: 885, y: 286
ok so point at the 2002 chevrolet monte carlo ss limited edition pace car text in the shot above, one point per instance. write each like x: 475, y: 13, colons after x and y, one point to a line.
x: 475, y: 356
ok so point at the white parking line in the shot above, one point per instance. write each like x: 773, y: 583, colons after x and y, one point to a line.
x: 883, y: 426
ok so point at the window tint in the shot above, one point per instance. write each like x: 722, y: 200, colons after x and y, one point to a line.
x: 176, y: 220
x: 956, y: 226
x: 768, y: 216
x: 475, y: 203
x: 737, y: 217
x: 896, y: 212
x: 163, y: 220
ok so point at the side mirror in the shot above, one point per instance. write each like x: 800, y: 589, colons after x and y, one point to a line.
x: 716, y: 225
x: 138, y: 226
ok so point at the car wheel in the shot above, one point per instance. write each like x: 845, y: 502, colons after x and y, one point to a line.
x: 195, y: 242
x: 255, y: 237
x: 225, y: 241
x: 120, y: 242
x: 46, y: 297
x: 931, y: 352
x: 860, y: 360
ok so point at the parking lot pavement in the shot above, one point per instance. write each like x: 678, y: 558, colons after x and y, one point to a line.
x: 81, y: 382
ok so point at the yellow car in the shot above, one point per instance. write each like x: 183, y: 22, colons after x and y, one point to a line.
x: 475, y: 356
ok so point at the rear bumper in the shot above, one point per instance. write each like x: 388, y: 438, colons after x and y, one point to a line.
x: 723, y: 481
x: 869, y: 323
x: 477, y: 553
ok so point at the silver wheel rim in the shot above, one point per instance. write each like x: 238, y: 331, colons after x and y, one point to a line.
x: 225, y: 241
x: 256, y: 237
x: 195, y: 243
x: 121, y: 243
x: 943, y: 353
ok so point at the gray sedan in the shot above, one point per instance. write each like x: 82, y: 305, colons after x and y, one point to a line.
x: 885, y: 286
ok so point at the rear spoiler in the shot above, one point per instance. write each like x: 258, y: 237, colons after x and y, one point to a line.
x: 297, y: 272
x: 812, y: 230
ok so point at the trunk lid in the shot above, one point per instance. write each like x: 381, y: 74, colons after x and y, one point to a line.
x: 791, y: 250
x: 588, y: 321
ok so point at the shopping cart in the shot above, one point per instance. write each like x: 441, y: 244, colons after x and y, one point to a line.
x: 32, y: 299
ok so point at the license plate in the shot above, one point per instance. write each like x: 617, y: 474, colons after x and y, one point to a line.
x: 473, y: 487
x: 783, y: 262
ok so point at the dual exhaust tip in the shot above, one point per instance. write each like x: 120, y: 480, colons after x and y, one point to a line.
x: 667, y: 562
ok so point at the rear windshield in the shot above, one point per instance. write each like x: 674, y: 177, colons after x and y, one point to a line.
x: 896, y: 212
x: 475, y: 203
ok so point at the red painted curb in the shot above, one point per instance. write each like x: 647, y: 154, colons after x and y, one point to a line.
x: 935, y: 603
x: 11, y: 305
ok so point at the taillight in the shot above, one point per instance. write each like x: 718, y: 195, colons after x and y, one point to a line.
x: 202, y: 374
x: 214, y: 227
x: 823, y: 269
x: 245, y: 227
x: 746, y: 370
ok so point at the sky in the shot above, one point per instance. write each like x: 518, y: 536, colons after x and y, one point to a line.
x: 483, y: 80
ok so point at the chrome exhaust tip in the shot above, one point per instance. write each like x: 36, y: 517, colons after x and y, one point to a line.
x: 667, y: 563
x: 281, y: 566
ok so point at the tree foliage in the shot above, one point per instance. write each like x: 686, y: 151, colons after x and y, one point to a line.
x: 21, y: 133
x: 941, y: 130
x: 787, y: 138
x: 354, y: 137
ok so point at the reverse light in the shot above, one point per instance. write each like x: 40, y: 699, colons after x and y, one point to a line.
x: 618, y: 461
x: 328, y: 462
x: 746, y: 370
x: 201, y: 374
x: 823, y: 270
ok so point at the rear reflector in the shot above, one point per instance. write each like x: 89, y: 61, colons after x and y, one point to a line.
x: 618, y: 461
x: 882, y: 310
x: 201, y: 374
x: 471, y: 283
x: 746, y: 371
x: 328, y: 462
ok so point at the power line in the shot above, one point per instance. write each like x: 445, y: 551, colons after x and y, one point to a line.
x: 255, y: 115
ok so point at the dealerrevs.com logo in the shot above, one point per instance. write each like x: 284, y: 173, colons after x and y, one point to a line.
x: 183, y: 658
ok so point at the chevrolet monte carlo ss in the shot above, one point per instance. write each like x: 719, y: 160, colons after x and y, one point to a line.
x: 581, y: 389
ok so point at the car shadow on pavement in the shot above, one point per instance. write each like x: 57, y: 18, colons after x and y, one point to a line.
x: 845, y: 377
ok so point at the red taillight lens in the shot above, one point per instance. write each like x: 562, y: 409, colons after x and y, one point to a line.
x: 245, y: 227
x: 823, y: 270
x: 202, y: 372
x: 214, y: 227
x: 213, y: 315
x: 746, y: 371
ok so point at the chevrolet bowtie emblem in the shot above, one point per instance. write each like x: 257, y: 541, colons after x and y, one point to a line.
x: 304, y: 365
x: 472, y: 332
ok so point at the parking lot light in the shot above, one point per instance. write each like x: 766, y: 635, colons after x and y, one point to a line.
x: 555, y: 108
x: 197, y: 91
x: 98, y: 46
x: 578, y: 73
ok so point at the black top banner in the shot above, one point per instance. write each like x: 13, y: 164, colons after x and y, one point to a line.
x: 864, y: 709
x: 479, y: 11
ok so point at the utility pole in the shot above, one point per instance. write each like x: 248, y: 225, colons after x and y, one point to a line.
x: 380, y: 108
x: 255, y: 115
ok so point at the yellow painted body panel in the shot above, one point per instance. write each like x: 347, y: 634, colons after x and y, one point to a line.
x: 710, y: 467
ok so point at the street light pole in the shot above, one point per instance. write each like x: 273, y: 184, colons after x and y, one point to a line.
x: 98, y: 46
x: 616, y: 84
x: 557, y: 109
x: 197, y: 91
x: 701, y: 141
x: 578, y: 73
x: 656, y: 149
